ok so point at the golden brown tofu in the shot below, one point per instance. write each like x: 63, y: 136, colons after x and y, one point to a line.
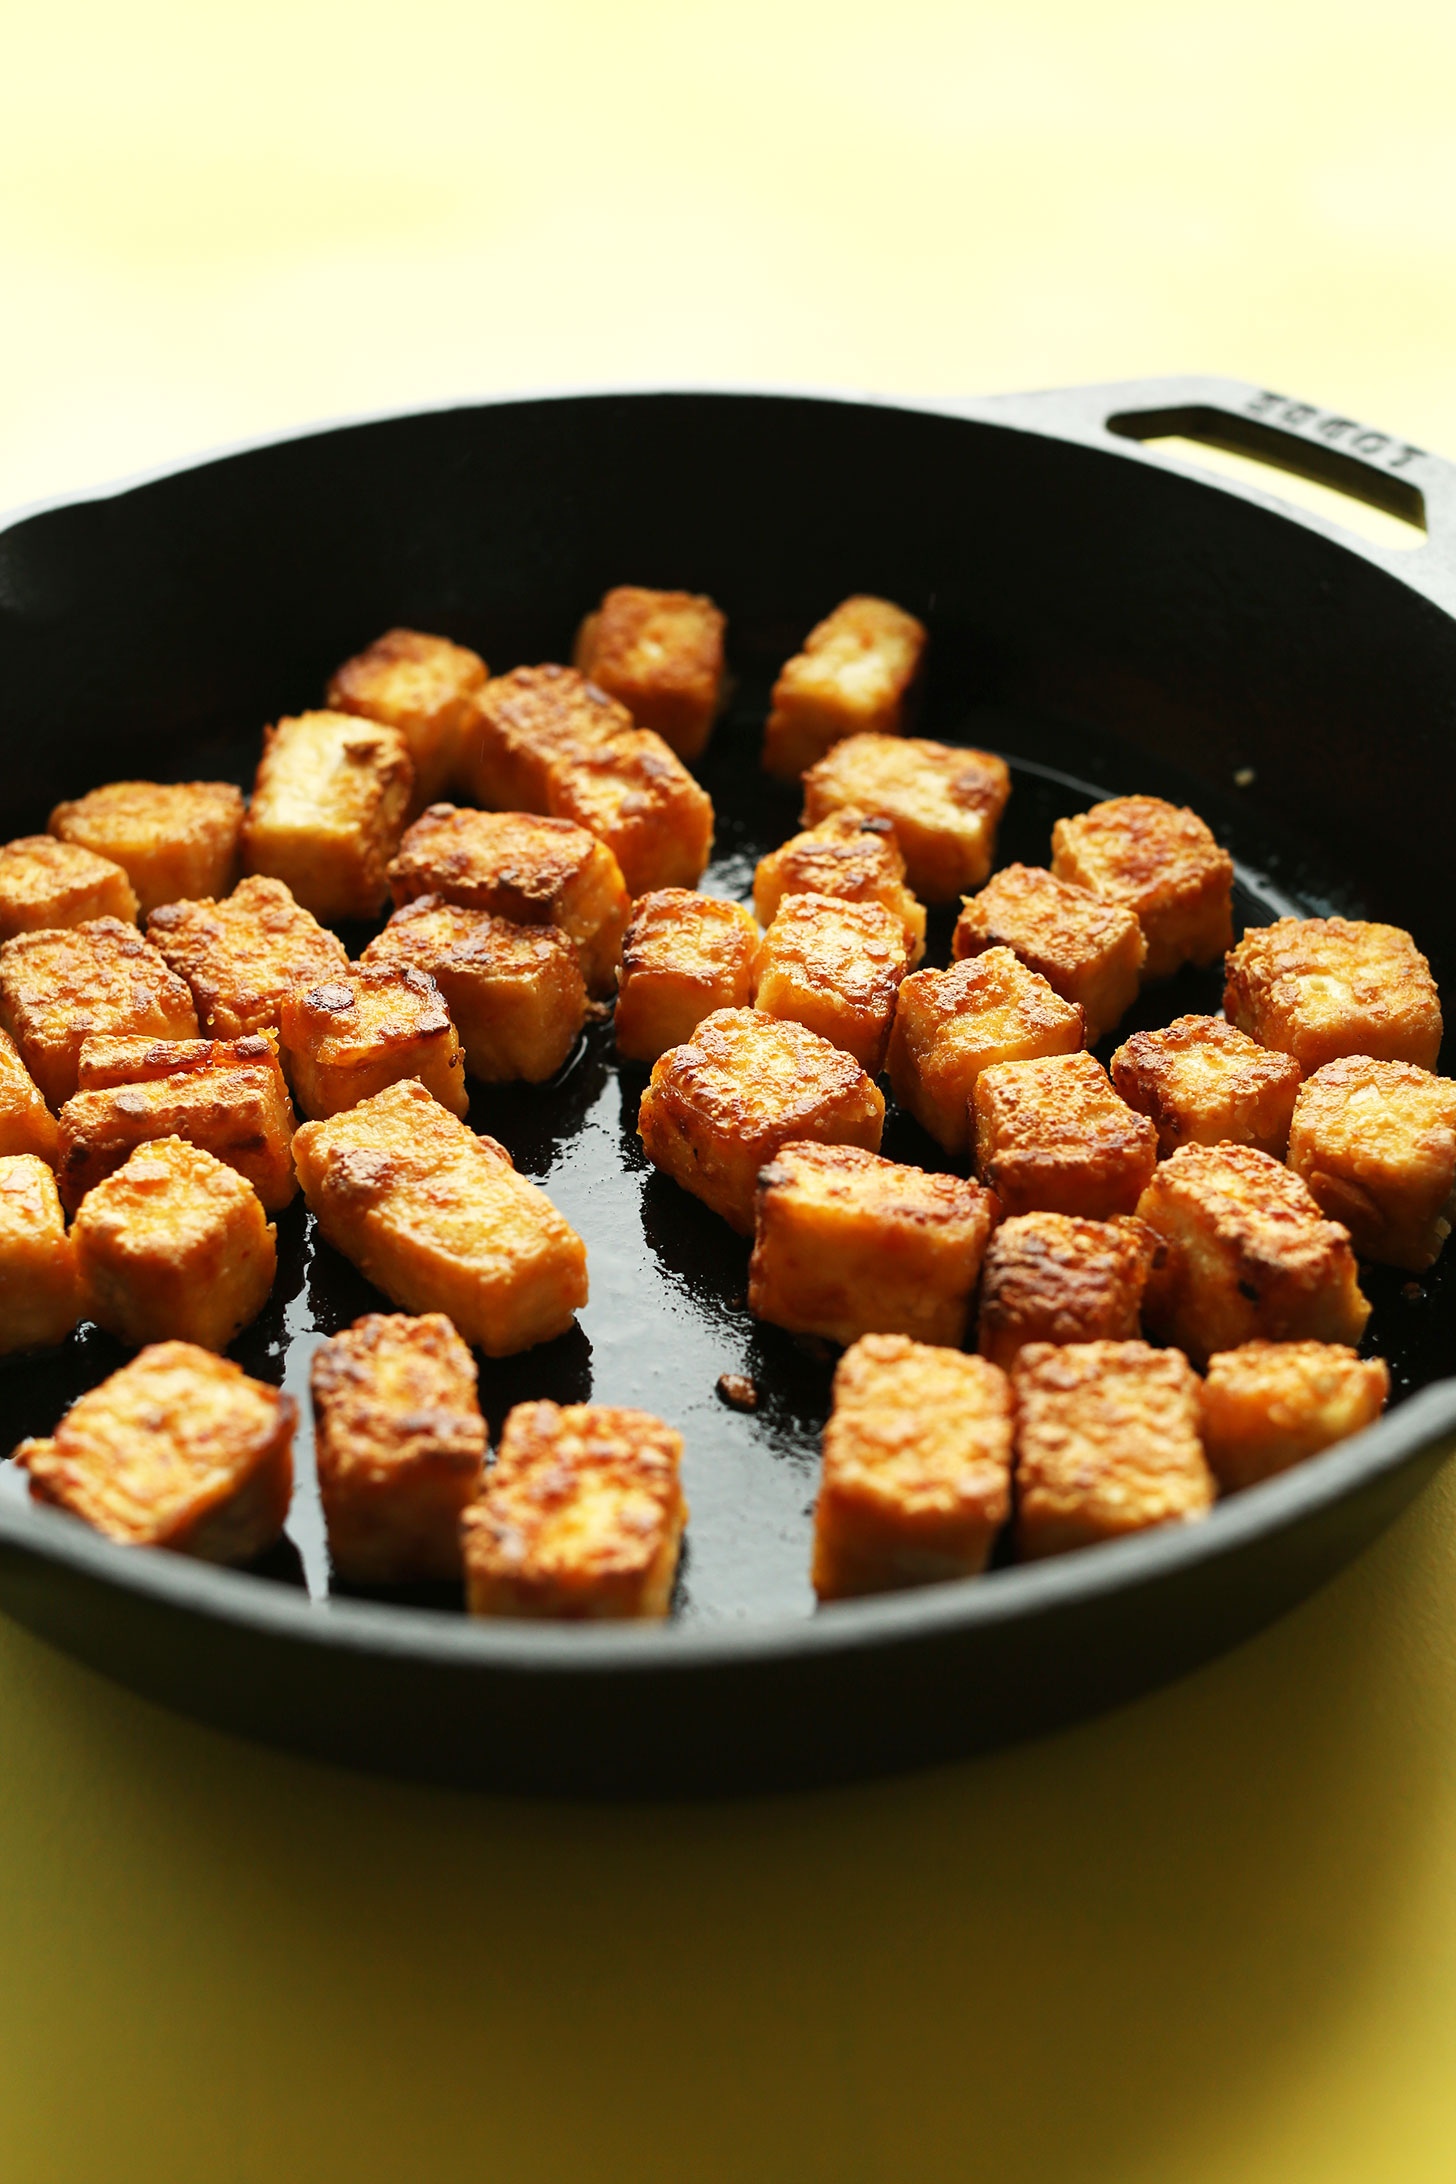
x: 1204, y: 1082
x: 1268, y: 1405
x: 242, y: 957
x: 1376, y: 1144
x: 944, y: 803
x: 38, y: 1300
x: 659, y: 653
x: 531, y: 870
x: 1053, y: 1137
x: 61, y: 987
x: 377, y: 1023
x: 1250, y: 1254
x: 1050, y: 1277
x: 1106, y: 1443
x: 1088, y: 951
x: 848, y: 855
x: 227, y: 1096
x: 179, y: 1449
x: 527, y: 722
x: 581, y: 1518
x: 399, y: 1444
x: 916, y: 1481
x: 174, y: 1246
x: 720, y: 1108
x: 835, y: 967
x: 26, y: 1123
x: 515, y: 992
x: 950, y: 1025
x: 330, y: 800
x: 1160, y: 861
x: 425, y: 687
x: 683, y: 956
x: 847, y: 1244
x: 44, y: 883
x: 852, y: 678
x: 1318, y: 988
x: 171, y: 838
x: 439, y: 1220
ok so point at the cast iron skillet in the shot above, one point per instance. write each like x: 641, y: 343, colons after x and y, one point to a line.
x: 1109, y: 624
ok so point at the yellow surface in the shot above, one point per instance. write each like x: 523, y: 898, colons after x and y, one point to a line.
x: 1210, y: 1939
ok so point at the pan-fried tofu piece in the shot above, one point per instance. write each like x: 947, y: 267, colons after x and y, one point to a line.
x: 38, y: 1300
x: 1106, y: 1443
x: 528, y: 721
x: 1250, y: 1254
x: 719, y: 1108
x: 330, y: 799
x: 171, y: 838
x: 1376, y: 1144
x: 1204, y: 1082
x: 225, y: 1095
x: 1088, y: 951
x: 1160, y: 861
x: 916, y: 1480
x: 944, y: 803
x: 847, y: 1244
x: 179, y: 1449
x: 244, y: 956
x: 1053, y: 1137
x: 836, y: 967
x: 581, y: 1518
x: 380, y: 1022
x: 26, y: 1123
x: 659, y: 653
x: 424, y: 686
x: 59, y: 988
x: 174, y: 1245
x: 852, y: 678
x: 44, y: 883
x: 1268, y: 1405
x: 399, y: 1444
x: 1050, y: 1277
x: 439, y: 1220
x: 531, y: 870
x: 1319, y: 988
x: 848, y: 855
x: 683, y: 956
x: 515, y: 992
x: 950, y: 1025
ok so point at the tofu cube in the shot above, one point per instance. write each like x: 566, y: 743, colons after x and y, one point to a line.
x: 1268, y: 1405
x: 683, y: 956
x: 916, y: 1480
x: 399, y: 1446
x: 659, y: 653
x: 227, y: 1096
x: 179, y: 1449
x: 330, y: 800
x: 848, y: 855
x: 835, y: 967
x: 1053, y: 1137
x: 950, y: 1025
x: 174, y: 1246
x: 515, y: 992
x: 44, y: 883
x: 38, y: 1300
x: 425, y: 687
x: 852, y: 678
x: 1204, y: 1082
x: 26, y: 1123
x: 439, y: 1220
x: 1050, y: 1277
x: 244, y: 956
x: 1376, y: 1144
x: 1106, y: 1443
x: 944, y: 803
x: 1320, y: 988
x: 61, y: 987
x: 1088, y: 951
x: 380, y: 1022
x: 1160, y: 861
x: 847, y: 1244
x: 171, y: 838
x: 721, y: 1107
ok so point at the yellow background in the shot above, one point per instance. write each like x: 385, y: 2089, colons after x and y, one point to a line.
x: 1212, y: 1938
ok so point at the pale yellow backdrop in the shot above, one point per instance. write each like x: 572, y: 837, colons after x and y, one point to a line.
x: 1210, y: 1939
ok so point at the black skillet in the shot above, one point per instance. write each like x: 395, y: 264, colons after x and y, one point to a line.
x: 1106, y: 622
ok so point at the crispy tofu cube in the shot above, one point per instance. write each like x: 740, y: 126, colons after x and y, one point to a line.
x: 380, y: 1022
x: 1204, y: 1082
x: 227, y: 1096
x: 1088, y: 951
x: 1319, y: 988
x: 1376, y: 1144
x: 58, y: 988
x: 439, y: 1220
x: 531, y: 870
x: 581, y: 1518
x: 1106, y: 1443
x: 330, y: 800
x: 1053, y: 1137
x: 171, y: 838
x: 659, y: 653
x: 38, y: 1300
x: 944, y: 803
x: 1160, y: 861
x: 244, y: 956
x: 1268, y: 1405
x: 950, y: 1025
x: 836, y: 967
x: 174, y: 1246
x: 179, y: 1449
x: 44, y: 883
x: 527, y: 722
x: 1250, y: 1254
x: 847, y: 1244
x: 719, y: 1108
x: 515, y: 992
x: 852, y: 678
x: 425, y: 687
x: 916, y: 1481
x: 848, y: 855
x: 26, y: 1123
x: 1050, y: 1277
x: 683, y: 956
x: 399, y: 1444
